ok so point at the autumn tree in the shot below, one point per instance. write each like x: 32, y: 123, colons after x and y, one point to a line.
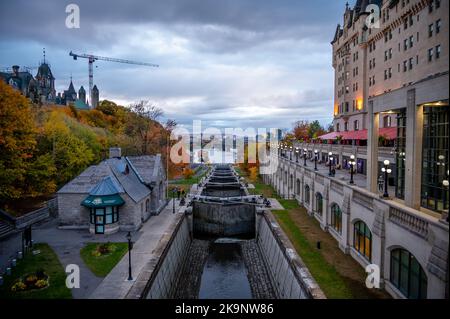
x: 301, y: 130
x: 22, y: 171
x: 144, y: 123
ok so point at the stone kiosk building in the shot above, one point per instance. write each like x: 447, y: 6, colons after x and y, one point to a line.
x: 119, y: 193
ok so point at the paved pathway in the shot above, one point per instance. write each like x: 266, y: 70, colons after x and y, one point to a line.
x: 115, y: 285
x: 67, y: 245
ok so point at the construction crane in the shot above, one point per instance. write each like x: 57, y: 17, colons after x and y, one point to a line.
x: 92, y: 58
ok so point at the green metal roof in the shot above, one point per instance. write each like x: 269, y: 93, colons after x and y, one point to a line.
x: 102, y: 201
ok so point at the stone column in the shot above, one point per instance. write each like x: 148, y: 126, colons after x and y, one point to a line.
x: 346, y: 224
x: 372, y: 149
x: 381, y: 212
x: 326, y: 208
x: 413, y: 164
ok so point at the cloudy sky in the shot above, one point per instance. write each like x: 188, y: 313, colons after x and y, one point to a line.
x: 229, y: 63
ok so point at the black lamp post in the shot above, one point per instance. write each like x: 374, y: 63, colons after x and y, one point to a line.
x: 130, y: 247
x: 352, y: 164
x: 296, y: 154
x: 386, y: 170
x: 174, y: 192
x: 445, y: 184
x: 290, y: 154
x: 316, y: 154
x: 330, y: 159
x: 304, y: 156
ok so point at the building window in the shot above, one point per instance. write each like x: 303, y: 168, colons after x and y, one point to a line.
x: 362, y: 239
x: 356, y: 125
x: 346, y: 126
x: 336, y: 218
x: 103, y: 216
x: 338, y: 128
x: 407, y: 274
x: 147, y: 205
x: 435, y: 156
x: 438, y: 26
x: 387, y: 121
x: 438, y: 51
x: 430, y: 54
x: 430, y: 30
x: 319, y: 204
x: 307, y: 198
x: 298, y: 186
x: 401, y: 154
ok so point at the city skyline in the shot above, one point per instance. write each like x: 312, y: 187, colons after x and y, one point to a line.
x: 233, y: 65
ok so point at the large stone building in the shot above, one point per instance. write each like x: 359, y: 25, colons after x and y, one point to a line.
x: 39, y: 89
x: 372, y: 64
x: 395, y: 75
x: 119, y: 193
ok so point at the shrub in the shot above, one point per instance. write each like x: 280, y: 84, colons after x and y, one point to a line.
x: 18, y: 286
x: 41, y: 283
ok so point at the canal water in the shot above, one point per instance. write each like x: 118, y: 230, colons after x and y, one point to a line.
x: 224, y: 274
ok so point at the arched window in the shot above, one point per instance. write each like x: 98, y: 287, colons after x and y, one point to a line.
x: 338, y: 127
x: 362, y: 239
x: 147, y: 205
x: 298, y: 186
x: 291, y: 181
x: 307, y: 200
x: 407, y: 274
x: 319, y: 203
x: 336, y: 218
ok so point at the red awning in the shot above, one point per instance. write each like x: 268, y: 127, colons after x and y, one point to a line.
x: 389, y: 132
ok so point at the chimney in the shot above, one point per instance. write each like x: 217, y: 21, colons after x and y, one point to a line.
x: 115, y: 152
x: 15, y: 69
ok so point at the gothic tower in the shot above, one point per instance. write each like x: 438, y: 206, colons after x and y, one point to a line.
x: 82, y: 94
x: 95, y: 96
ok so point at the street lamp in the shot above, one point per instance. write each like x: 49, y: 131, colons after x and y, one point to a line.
x: 290, y: 154
x: 296, y: 154
x: 330, y: 158
x: 386, y: 170
x: 445, y: 184
x: 304, y: 156
x: 130, y: 247
x: 174, y: 191
x: 316, y: 154
x: 352, y: 164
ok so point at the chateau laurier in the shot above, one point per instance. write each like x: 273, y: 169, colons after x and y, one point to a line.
x: 394, y: 79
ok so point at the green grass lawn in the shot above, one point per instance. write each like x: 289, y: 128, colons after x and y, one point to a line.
x: 339, y: 276
x: 48, y: 261
x: 325, y: 274
x: 102, y: 265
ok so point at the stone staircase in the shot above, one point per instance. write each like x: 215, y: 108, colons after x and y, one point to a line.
x: 6, y: 228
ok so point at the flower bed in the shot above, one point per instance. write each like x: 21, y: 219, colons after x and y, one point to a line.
x: 34, y: 281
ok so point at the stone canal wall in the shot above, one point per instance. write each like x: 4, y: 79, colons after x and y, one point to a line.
x: 289, y: 276
x: 159, y: 277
